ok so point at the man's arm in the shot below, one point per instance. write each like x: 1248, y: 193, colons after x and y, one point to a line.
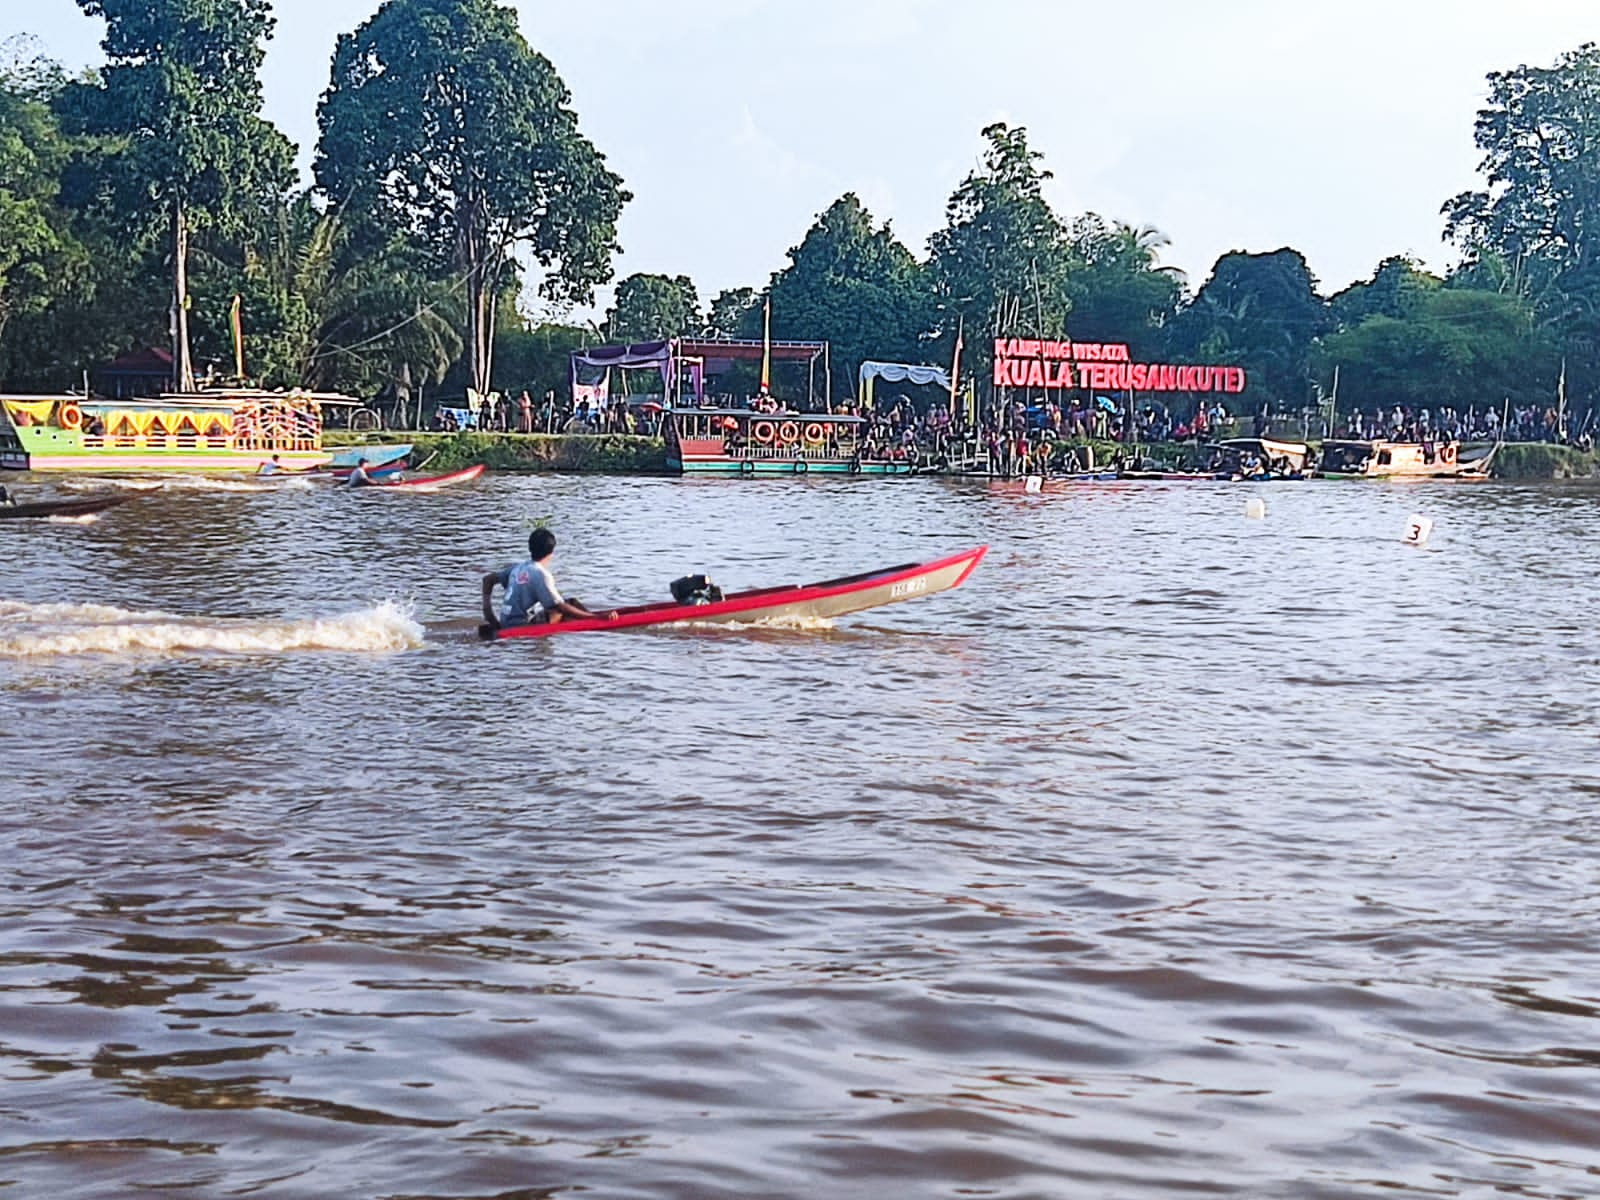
x: 571, y: 608
x: 489, y: 580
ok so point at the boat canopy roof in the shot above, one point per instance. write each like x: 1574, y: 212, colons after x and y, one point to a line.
x: 1250, y: 443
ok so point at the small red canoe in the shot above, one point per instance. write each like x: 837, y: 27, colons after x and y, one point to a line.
x: 428, y: 483
x: 830, y: 598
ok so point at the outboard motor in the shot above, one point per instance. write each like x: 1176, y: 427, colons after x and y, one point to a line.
x: 695, y: 589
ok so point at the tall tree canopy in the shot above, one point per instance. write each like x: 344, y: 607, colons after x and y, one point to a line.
x: 1535, y: 228
x: 855, y: 284
x: 735, y: 313
x: 1118, y: 288
x: 1440, y: 346
x: 1262, y: 310
x: 1000, y: 262
x: 441, y: 123
x: 653, y: 306
x: 40, y: 257
x: 183, y: 146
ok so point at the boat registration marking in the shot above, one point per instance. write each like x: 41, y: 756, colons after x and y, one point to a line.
x: 906, y: 587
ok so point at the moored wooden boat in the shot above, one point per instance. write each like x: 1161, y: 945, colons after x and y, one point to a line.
x: 1382, y: 459
x: 79, y: 506
x: 223, y: 429
x: 827, y: 599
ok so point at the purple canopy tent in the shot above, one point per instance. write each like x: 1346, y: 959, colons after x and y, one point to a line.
x: 689, y: 360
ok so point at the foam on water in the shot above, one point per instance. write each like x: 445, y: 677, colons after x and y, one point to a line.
x: 192, y: 483
x: 791, y: 623
x: 45, y: 630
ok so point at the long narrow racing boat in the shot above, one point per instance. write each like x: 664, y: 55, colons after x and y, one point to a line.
x: 426, y: 483
x: 81, y: 506
x: 830, y: 598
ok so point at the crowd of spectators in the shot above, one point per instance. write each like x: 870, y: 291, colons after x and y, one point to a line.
x: 1024, y: 434
x: 1520, y: 423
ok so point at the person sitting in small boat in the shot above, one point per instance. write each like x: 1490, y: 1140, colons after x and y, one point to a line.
x: 359, y: 476
x: 531, y: 593
x: 268, y: 468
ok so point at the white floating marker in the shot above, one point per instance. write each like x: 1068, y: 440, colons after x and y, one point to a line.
x: 1255, y: 508
x: 1417, y: 530
x: 1035, y: 483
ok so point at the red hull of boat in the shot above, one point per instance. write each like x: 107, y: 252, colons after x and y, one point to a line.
x: 431, y: 483
x: 830, y: 598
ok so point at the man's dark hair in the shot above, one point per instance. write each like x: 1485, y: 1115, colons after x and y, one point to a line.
x: 541, y: 542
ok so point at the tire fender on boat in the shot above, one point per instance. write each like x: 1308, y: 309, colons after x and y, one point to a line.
x: 801, y: 466
x: 747, y: 467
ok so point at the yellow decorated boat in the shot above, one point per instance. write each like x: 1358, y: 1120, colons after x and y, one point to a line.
x: 215, y: 430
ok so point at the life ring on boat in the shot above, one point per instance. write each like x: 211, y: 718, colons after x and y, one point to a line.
x: 762, y: 432
x: 747, y: 467
x: 70, y: 416
x: 1447, y: 454
x: 814, y: 432
x: 801, y: 466
x: 788, y: 432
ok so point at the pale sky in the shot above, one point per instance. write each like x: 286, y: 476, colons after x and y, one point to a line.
x: 1338, y: 127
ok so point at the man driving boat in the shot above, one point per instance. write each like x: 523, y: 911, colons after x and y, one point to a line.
x: 531, y: 592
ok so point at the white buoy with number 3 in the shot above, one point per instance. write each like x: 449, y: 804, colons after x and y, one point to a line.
x: 1417, y: 530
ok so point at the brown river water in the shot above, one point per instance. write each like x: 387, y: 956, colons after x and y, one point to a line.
x: 1175, y: 854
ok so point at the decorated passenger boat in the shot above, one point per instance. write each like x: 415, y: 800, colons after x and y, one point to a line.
x: 1343, y: 459
x: 740, y: 441
x: 220, y: 430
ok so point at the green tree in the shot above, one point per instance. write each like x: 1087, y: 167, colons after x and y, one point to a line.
x: 1001, y: 261
x: 442, y: 125
x: 1262, y: 311
x: 735, y: 313
x: 323, y: 312
x: 41, y: 259
x: 1118, y: 289
x: 853, y: 283
x: 1443, y: 346
x: 648, y: 307
x: 1537, y: 224
x: 1398, y: 288
x: 182, y: 147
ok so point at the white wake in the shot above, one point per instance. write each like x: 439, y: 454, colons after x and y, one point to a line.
x: 43, y: 630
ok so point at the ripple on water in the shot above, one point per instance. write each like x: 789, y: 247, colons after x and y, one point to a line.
x: 1173, y: 854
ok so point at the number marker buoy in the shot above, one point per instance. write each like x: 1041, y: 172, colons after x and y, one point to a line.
x: 1255, y: 508
x: 1035, y: 483
x: 1417, y: 530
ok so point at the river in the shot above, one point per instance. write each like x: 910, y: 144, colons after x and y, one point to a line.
x: 1176, y: 853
